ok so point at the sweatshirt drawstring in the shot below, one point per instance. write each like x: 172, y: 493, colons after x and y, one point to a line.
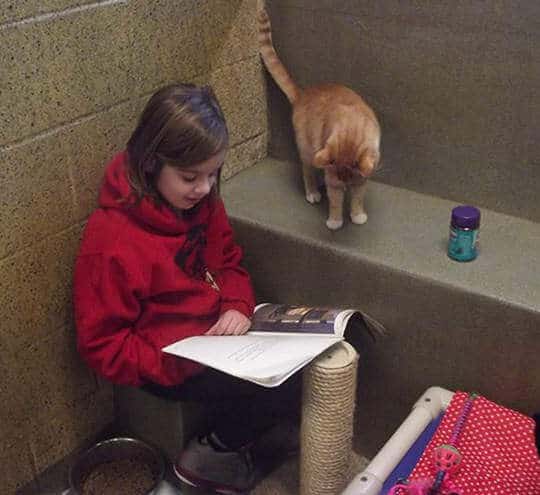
x: 190, y: 256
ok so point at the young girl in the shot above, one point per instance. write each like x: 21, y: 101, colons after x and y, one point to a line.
x: 157, y: 264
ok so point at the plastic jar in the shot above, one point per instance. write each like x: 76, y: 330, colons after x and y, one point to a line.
x: 464, y: 228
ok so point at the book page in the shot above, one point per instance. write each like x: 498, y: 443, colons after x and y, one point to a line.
x: 342, y: 320
x: 263, y: 359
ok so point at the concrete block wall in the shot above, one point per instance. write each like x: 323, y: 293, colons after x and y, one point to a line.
x: 456, y: 86
x: 74, y: 76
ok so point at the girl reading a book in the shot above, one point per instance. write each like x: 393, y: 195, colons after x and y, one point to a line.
x: 158, y: 263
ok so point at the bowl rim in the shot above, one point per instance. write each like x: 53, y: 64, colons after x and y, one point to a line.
x: 157, y: 454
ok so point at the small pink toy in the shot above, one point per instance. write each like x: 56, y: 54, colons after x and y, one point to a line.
x: 446, y: 457
x: 416, y: 487
x: 423, y: 487
x: 446, y: 460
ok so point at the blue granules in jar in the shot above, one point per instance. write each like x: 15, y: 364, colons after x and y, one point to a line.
x: 464, y: 227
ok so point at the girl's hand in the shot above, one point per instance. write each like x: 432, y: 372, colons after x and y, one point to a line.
x: 231, y: 322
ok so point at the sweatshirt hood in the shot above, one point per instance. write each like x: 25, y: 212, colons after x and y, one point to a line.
x: 116, y: 193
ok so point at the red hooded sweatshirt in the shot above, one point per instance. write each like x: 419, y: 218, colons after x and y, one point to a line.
x: 140, y: 285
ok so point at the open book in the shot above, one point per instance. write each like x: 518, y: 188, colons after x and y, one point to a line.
x: 282, y: 340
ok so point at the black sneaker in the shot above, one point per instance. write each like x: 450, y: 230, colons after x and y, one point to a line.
x: 201, y: 465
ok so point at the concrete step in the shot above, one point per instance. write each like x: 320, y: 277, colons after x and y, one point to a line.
x: 461, y: 326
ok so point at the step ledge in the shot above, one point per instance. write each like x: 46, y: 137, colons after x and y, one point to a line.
x: 406, y: 231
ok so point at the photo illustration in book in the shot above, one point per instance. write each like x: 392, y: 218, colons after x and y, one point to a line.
x: 285, y: 318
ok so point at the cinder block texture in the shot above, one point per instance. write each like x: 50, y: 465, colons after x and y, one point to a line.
x: 52, y: 181
x: 12, y: 11
x: 229, y: 30
x: 456, y: 88
x: 240, y: 90
x: 16, y: 459
x: 250, y: 151
x: 75, y: 77
x: 35, y: 289
x: 72, y: 65
x: 52, y: 400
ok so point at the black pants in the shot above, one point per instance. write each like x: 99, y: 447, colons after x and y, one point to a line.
x: 240, y: 411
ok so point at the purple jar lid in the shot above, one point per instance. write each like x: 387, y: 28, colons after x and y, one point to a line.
x: 466, y: 217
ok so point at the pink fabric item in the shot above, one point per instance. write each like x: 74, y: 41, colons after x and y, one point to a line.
x: 422, y: 487
x: 498, y: 449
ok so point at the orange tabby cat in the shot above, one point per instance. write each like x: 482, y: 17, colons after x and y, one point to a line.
x: 335, y: 130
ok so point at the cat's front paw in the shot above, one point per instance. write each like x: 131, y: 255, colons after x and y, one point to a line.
x: 314, y: 197
x: 359, y: 218
x: 334, y: 224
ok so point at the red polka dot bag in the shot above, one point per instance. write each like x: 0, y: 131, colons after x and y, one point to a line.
x: 479, y: 448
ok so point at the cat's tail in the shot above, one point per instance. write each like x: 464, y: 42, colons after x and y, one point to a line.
x: 270, y: 58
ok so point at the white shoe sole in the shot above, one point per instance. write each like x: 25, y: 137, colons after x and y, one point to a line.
x: 221, y: 491
x: 183, y: 479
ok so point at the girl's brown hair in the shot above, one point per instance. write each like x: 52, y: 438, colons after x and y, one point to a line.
x: 182, y: 125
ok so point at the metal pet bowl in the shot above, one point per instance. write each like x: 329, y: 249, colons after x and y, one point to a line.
x: 115, y: 449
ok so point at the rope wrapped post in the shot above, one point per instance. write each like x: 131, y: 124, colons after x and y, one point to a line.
x: 328, y: 402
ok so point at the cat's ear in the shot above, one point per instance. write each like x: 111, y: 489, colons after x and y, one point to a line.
x: 321, y: 158
x: 368, y: 161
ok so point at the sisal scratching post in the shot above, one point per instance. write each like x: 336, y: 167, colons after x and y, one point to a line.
x: 328, y: 401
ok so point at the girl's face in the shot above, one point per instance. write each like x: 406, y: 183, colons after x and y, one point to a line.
x: 183, y: 188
